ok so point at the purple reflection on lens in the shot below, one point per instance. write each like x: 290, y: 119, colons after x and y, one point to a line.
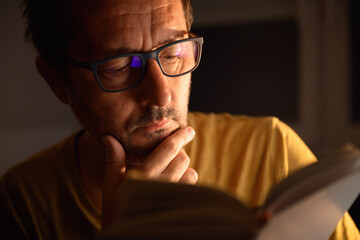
x: 136, y: 62
x: 179, y: 50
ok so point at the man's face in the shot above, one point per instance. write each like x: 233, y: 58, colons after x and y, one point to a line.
x: 140, y: 118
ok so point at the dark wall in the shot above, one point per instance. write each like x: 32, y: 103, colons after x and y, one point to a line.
x: 355, y: 66
x: 248, y: 69
x: 355, y: 59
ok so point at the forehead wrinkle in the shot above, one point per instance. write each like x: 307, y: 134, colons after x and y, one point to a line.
x: 157, y: 11
x: 133, y: 18
x: 127, y: 8
x: 154, y: 15
x: 148, y: 20
x: 131, y: 8
x: 158, y: 21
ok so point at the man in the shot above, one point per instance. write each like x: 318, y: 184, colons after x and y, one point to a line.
x: 123, y: 66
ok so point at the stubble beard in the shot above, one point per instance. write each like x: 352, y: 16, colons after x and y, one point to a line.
x: 136, y: 153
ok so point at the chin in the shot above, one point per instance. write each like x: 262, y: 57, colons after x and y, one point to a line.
x: 137, y: 150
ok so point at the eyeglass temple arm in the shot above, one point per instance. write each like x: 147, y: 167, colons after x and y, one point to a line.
x: 78, y: 64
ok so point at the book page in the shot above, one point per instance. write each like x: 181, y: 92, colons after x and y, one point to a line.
x: 316, y: 216
x: 161, y: 210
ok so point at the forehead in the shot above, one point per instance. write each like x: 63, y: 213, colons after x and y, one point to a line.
x: 108, y: 27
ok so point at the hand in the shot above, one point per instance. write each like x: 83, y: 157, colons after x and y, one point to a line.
x: 168, y: 162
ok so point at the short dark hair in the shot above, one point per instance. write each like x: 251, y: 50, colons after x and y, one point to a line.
x: 49, y: 25
x: 188, y: 11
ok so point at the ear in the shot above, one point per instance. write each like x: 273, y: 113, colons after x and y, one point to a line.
x: 53, y: 78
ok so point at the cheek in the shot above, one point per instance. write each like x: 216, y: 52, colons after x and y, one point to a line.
x: 86, y: 94
x: 98, y: 112
x: 103, y: 115
x: 180, y: 96
x: 181, y: 90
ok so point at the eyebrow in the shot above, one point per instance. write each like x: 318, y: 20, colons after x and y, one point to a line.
x: 173, y: 39
x: 125, y: 50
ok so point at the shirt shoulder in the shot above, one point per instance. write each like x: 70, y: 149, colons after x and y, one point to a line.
x: 225, y: 123
x: 245, y: 155
x: 250, y: 133
x: 44, y: 164
x: 43, y: 195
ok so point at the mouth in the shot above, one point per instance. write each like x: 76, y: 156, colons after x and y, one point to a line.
x: 154, y: 126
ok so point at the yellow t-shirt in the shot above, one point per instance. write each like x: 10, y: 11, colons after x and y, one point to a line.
x: 42, y: 198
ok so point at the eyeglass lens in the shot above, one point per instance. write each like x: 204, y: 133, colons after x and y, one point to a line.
x: 124, y: 72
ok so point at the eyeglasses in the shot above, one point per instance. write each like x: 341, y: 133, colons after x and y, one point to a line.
x: 123, y: 72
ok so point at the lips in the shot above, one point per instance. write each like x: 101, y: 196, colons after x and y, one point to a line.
x: 154, y: 126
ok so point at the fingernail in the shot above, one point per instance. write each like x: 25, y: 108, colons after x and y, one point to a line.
x: 191, y: 132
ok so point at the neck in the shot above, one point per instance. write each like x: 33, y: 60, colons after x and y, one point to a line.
x: 91, y: 163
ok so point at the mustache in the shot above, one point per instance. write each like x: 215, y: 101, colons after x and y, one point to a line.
x: 152, y: 114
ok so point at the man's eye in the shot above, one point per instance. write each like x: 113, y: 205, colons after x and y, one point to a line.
x: 121, y: 69
x: 114, y: 72
x: 170, y: 56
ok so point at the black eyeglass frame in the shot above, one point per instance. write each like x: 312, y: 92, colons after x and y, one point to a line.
x: 144, y: 58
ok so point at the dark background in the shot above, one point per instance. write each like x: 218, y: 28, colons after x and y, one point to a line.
x: 355, y: 97
x: 248, y: 69
x: 355, y: 59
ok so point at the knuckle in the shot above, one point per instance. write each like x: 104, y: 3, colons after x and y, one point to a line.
x: 194, y: 176
x: 148, y: 172
x: 171, y: 147
x: 184, y: 159
x: 172, y: 178
x: 191, y: 176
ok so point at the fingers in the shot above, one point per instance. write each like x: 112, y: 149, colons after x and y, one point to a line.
x: 177, y: 167
x: 161, y: 157
x: 114, y: 174
x: 179, y: 171
x: 190, y: 176
x: 169, y: 161
x: 114, y: 166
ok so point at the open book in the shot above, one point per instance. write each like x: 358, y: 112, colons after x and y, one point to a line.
x: 306, y: 205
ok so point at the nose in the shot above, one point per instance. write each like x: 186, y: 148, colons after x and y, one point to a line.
x: 154, y: 88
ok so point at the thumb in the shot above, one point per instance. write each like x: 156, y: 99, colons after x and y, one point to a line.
x: 114, y: 166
